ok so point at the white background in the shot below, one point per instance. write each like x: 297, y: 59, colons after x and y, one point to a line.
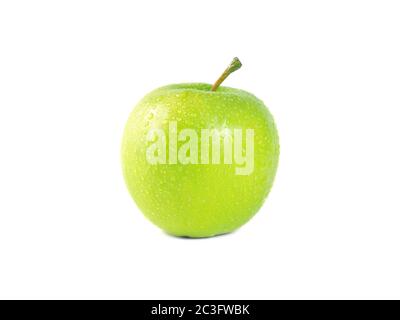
x: 70, y: 73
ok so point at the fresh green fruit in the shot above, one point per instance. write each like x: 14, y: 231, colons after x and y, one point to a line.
x: 199, y: 200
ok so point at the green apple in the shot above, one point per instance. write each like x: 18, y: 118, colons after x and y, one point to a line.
x: 200, y: 160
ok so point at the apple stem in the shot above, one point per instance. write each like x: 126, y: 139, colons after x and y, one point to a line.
x: 235, y: 65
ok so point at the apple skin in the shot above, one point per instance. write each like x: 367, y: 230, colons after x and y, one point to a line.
x: 199, y: 200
